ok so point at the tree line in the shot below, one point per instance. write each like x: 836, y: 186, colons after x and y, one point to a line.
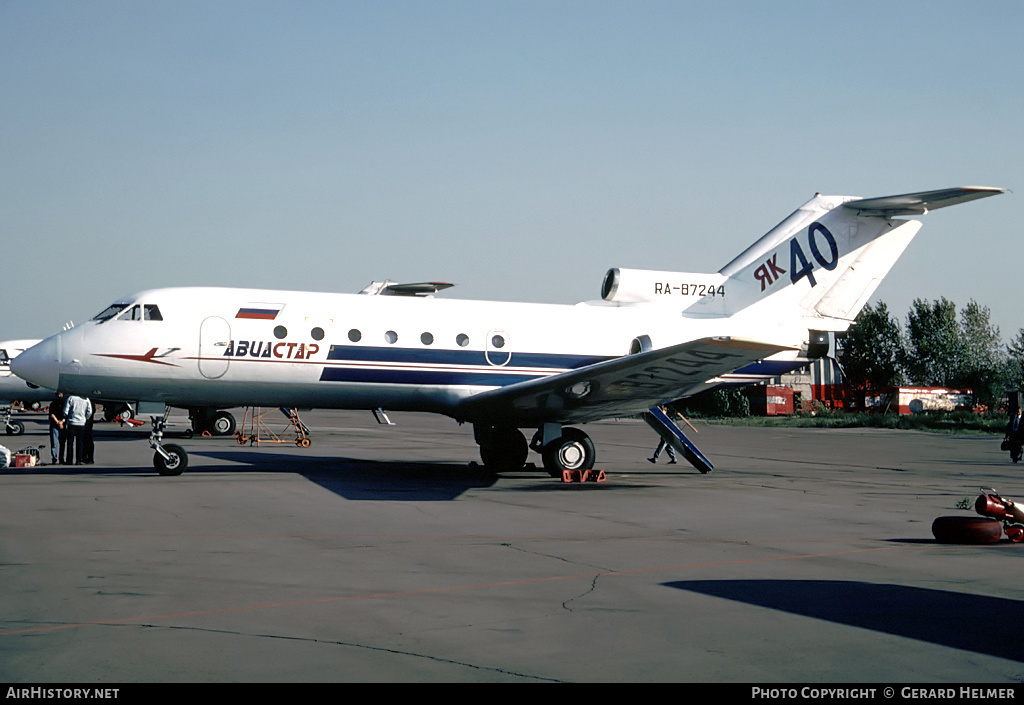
x: 937, y: 347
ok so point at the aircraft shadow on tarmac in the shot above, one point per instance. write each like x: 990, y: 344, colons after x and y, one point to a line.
x: 350, y: 478
x: 360, y: 479
x: 977, y: 623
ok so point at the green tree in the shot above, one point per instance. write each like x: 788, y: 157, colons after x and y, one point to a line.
x: 934, y: 351
x: 873, y: 349
x: 1013, y: 366
x: 723, y: 401
x: 982, y: 367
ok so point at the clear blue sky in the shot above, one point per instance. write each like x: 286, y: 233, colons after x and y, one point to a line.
x: 518, y: 149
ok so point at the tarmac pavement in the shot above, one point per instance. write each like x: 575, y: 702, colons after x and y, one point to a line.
x: 381, y: 554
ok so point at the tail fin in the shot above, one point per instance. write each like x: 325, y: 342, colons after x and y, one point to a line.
x: 826, y: 259
x: 821, y: 264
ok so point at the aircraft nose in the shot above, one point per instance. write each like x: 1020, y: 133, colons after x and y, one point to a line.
x: 40, y: 364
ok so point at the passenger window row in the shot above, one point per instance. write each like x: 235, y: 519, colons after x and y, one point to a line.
x: 391, y: 337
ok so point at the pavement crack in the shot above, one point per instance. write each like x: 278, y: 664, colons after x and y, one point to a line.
x: 598, y: 568
x: 593, y: 583
x: 366, y: 647
x: 593, y: 587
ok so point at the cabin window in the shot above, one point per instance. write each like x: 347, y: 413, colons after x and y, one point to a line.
x: 355, y: 335
x: 280, y: 332
x: 317, y: 333
x: 391, y: 336
x: 462, y: 339
x: 498, y: 341
x: 427, y: 339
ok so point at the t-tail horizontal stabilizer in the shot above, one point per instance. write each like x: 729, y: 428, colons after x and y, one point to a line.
x: 667, y: 429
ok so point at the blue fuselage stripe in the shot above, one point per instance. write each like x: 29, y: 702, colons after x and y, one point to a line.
x: 423, y: 377
x: 350, y: 353
x: 393, y: 365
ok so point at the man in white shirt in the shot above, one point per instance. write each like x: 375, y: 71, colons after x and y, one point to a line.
x: 77, y: 411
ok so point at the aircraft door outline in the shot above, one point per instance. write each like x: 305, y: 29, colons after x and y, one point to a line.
x: 214, y: 338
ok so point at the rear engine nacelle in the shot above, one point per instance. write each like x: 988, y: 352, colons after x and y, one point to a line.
x: 630, y: 286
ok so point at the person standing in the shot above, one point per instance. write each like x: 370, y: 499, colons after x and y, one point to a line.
x: 76, y: 411
x: 58, y: 436
x: 1015, y: 436
x: 89, y: 449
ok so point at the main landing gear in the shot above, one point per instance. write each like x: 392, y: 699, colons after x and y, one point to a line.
x: 504, y: 449
x: 568, y: 452
x: 213, y: 422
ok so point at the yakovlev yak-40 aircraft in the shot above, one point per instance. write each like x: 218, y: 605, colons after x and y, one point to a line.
x: 654, y: 337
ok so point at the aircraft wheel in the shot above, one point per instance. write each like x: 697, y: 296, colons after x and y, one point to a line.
x: 120, y: 412
x: 961, y: 529
x: 15, y: 428
x: 175, y: 465
x: 573, y: 451
x: 303, y: 443
x: 507, y: 452
x: 222, y: 424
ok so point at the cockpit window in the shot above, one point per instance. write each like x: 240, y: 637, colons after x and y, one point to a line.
x: 132, y: 314
x: 110, y: 312
x: 145, y: 312
x: 3, y: 357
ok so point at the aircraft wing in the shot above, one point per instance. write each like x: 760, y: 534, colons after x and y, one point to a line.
x: 621, y: 387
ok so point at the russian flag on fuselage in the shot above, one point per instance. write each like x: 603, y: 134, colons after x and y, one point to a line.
x: 265, y: 312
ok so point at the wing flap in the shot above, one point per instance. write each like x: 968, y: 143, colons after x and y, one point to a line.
x: 624, y: 386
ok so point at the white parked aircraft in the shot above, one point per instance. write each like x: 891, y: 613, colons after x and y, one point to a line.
x: 654, y: 337
x: 14, y: 389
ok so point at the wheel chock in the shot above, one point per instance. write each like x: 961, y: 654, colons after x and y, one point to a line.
x: 583, y: 476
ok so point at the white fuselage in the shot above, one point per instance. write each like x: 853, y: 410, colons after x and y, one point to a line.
x: 236, y: 347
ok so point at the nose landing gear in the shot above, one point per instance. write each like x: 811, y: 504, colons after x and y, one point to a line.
x: 12, y: 428
x: 170, y: 459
